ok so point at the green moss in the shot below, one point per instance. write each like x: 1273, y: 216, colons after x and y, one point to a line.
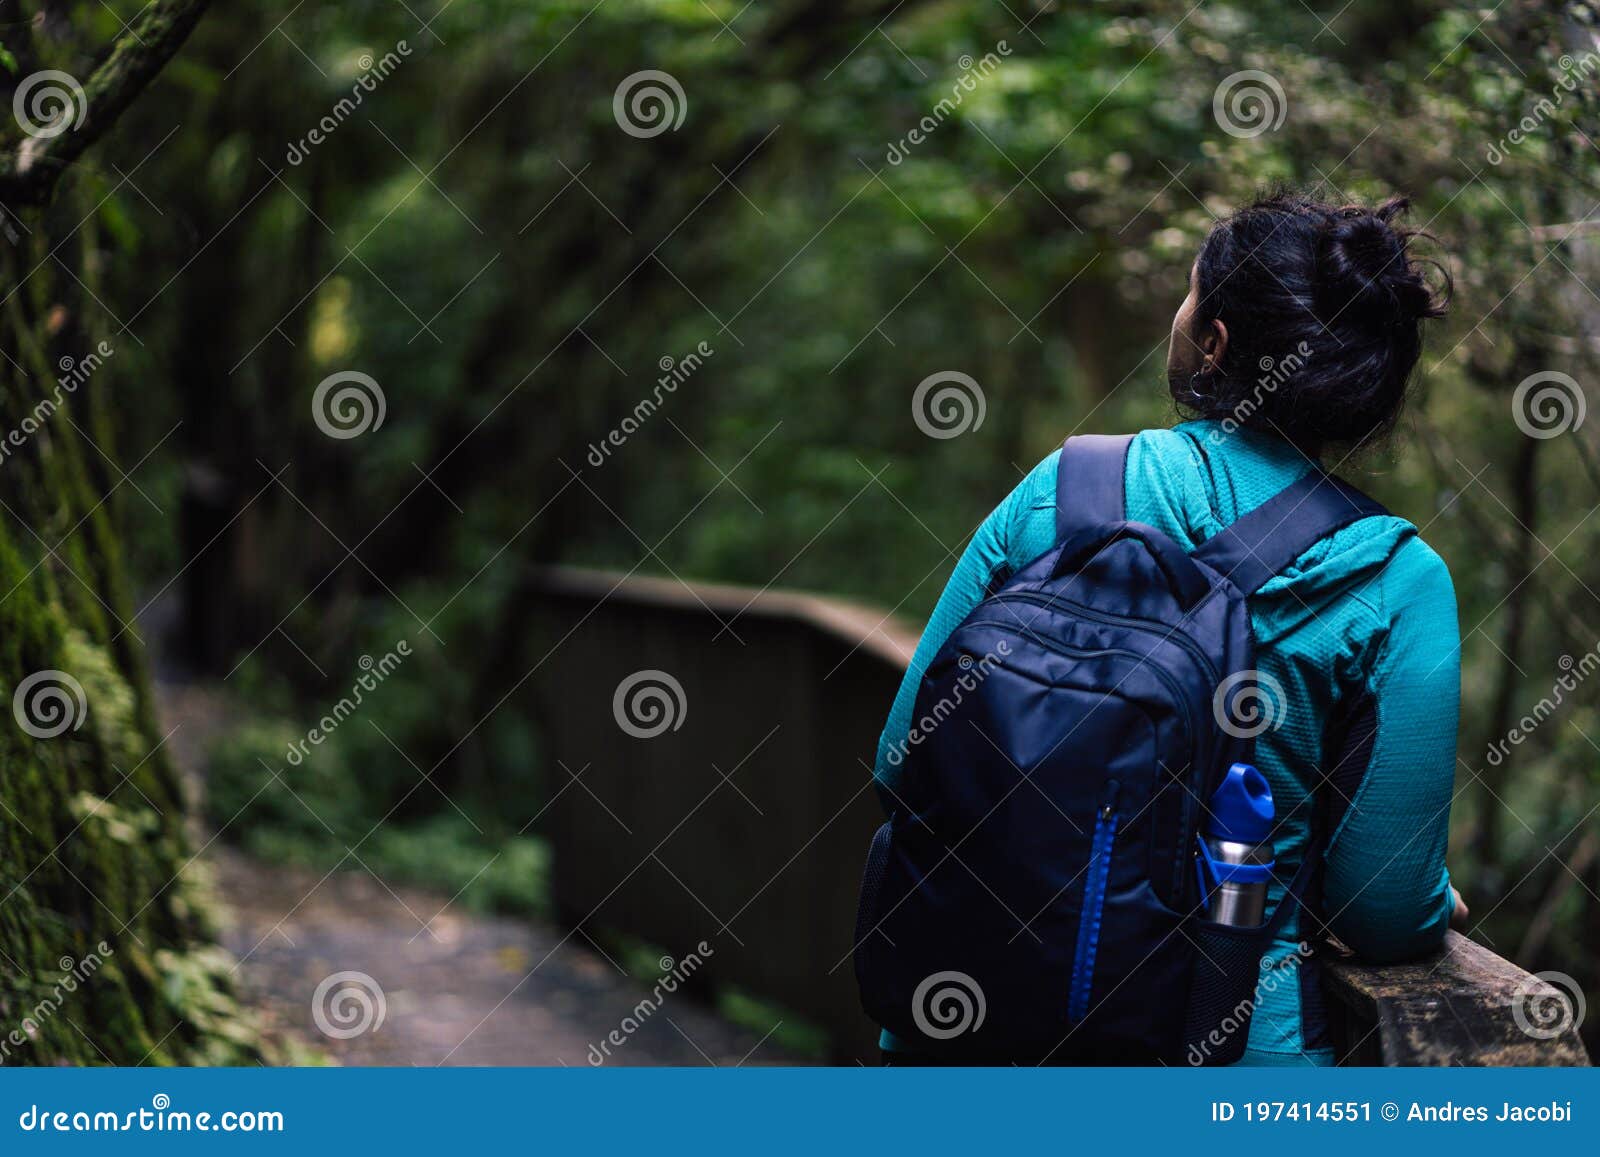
x: 94, y: 859
x: 114, y: 716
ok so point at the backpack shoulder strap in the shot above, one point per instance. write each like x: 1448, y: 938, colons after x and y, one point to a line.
x: 1089, y: 482
x: 1254, y: 548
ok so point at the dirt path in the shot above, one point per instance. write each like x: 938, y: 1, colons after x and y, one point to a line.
x: 452, y: 987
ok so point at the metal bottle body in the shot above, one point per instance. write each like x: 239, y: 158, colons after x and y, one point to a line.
x: 1240, y: 905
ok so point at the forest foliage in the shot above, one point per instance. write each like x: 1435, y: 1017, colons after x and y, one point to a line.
x: 860, y: 194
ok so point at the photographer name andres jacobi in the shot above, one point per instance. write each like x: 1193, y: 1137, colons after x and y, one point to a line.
x: 1450, y: 1111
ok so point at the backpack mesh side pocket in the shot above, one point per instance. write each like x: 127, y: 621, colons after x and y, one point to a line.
x: 1222, y: 991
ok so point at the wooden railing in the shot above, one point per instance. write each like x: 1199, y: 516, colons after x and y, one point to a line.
x: 1459, y: 1006
x: 743, y: 820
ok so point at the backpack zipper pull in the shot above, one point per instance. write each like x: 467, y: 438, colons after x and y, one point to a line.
x: 1109, y: 807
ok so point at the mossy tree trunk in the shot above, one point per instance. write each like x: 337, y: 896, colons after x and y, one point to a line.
x: 106, y: 954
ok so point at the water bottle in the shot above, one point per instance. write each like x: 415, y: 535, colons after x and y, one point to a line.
x: 1236, y: 849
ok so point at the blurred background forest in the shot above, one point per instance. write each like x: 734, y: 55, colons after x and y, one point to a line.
x: 517, y: 256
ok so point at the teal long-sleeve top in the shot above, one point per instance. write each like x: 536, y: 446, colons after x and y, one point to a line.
x: 1369, y: 609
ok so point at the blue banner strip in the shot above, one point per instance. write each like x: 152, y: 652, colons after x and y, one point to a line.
x: 813, y: 1111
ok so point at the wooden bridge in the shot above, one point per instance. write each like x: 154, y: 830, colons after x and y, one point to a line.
x: 738, y: 811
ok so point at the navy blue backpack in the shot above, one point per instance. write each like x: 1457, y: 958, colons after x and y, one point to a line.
x: 1033, y: 897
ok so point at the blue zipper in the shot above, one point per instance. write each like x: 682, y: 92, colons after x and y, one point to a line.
x: 1191, y: 729
x: 1094, y: 905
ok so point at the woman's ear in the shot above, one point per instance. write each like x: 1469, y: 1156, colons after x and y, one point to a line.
x: 1214, y: 344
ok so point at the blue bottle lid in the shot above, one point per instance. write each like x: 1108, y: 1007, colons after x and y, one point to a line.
x: 1241, y: 808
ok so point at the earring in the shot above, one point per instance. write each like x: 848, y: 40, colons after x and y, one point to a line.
x: 1195, y: 380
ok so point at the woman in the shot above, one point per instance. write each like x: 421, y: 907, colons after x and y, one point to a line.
x: 1294, y: 347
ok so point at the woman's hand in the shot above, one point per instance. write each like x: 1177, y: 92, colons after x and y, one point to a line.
x: 1459, y: 914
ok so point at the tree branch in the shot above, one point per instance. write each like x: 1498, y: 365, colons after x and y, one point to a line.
x: 28, y: 173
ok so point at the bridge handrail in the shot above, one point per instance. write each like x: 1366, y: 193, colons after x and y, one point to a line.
x: 823, y: 671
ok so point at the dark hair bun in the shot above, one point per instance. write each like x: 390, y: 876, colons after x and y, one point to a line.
x: 1324, y: 307
x: 1365, y: 267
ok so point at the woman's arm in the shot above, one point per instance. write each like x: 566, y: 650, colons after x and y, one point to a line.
x: 1386, y: 891
x: 1020, y: 528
